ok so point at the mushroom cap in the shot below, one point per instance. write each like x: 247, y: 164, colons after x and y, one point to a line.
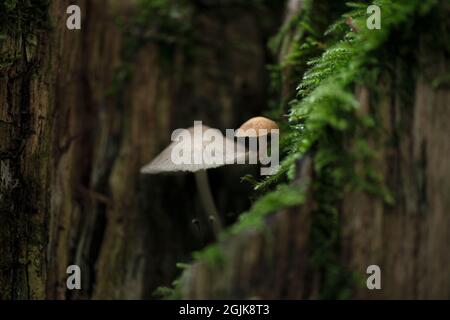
x: 253, y: 127
x: 163, y: 162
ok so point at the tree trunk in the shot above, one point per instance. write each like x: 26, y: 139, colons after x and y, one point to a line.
x: 83, y: 110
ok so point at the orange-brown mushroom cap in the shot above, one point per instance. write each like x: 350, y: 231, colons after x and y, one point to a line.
x: 256, y: 127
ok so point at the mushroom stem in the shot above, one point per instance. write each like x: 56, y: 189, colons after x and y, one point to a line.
x: 207, y: 199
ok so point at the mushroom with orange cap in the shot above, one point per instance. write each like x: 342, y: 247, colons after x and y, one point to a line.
x: 255, y: 129
x: 190, y: 151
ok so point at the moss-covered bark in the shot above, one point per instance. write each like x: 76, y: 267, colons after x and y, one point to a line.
x: 349, y: 220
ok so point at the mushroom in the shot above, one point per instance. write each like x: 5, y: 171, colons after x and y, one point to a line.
x: 206, y: 148
x: 256, y: 129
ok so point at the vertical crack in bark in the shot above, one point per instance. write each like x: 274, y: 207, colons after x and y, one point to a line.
x: 422, y: 199
x: 93, y: 220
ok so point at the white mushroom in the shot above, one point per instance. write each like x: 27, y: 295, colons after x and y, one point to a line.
x: 195, y: 150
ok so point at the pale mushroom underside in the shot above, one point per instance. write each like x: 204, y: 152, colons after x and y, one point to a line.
x: 228, y: 152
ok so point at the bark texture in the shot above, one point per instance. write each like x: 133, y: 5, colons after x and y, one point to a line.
x: 408, y: 240
x: 71, y: 149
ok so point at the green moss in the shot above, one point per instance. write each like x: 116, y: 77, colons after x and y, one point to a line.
x: 173, y: 292
x: 325, y: 114
x: 283, y: 197
x: 169, y: 293
x: 324, y: 121
x: 300, y: 40
x: 212, y: 255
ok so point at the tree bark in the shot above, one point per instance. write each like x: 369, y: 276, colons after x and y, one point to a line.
x: 71, y: 149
